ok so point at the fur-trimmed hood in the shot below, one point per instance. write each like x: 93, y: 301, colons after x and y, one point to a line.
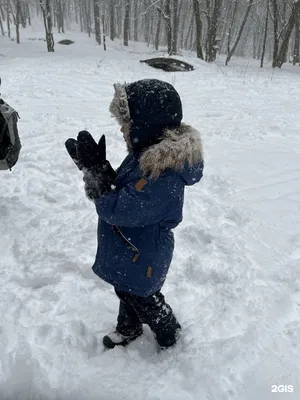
x: 119, y: 107
x: 180, y: 150
x: 152, y: 111
x: 150, y: 106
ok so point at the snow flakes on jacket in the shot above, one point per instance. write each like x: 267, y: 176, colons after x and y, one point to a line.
x: 135, y: 238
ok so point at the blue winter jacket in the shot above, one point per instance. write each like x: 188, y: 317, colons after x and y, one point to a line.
x: 136, y: 218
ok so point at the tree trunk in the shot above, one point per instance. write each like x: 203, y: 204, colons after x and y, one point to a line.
x: 76, y: 12
x: 254, y: 44
x: 87, y: 12
x: 230, y: 30
x: 296, y: 55
x: 17, y: 20
x: 2, y: 19
x: 104, y: 30
x: 54, y: 13
x: 60, y: 16
x: 136, y: 21
x: 112, y: 20
x: 295, y: 14
x: 167, y: 16
x: 198, y: 28
x: 182, y: 30
x: 146, y: 21
x: 208, y: 17
x: 192, y: 34
x: 151, y: 30
x: 8, y: 17
x: 189, y: 31
x: 104, y: 27
x: 158, y: 30
x: 22, y: 14
x: 226, y: 17
x: 126, y: 23
x: 119, y: 20
x: 275, y: 31
x: 212, y: 32
x: 97, y: 21
x: 47, y: 16
x: 175, y: 27
x: 265, y: 37
x: 1, y: 27
x: 260, y: 42
x: 231, y: 52
x: 81, y: 16
x: 28, y: 15
x: 50, y: 40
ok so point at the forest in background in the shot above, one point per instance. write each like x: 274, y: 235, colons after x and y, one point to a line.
x: 258, y: 29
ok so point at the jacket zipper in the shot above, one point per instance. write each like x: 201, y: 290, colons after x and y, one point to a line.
x: 128, y: 243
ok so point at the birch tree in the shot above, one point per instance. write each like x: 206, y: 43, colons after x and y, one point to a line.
x: 47, y: 17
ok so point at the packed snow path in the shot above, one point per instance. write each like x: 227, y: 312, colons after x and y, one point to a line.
x: 235, y: 278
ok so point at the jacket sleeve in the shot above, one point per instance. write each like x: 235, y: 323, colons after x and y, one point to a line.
x: 133, y: 206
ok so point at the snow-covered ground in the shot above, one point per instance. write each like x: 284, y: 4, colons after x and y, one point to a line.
x: 235, y: 278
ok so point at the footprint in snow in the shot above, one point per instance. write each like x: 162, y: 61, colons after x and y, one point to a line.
x: 37, y: 282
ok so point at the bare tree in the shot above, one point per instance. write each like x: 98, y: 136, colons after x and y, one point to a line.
x: 28, y: 13
x: 8, y: 13
x: 296, y: 53
x: 275, y: 30
x: 230, y: 29
x: 2, y: 16
x: 135, y: 18
x: 47, y: 16
x: 158, y: 27
x: 294, y: 16
x: 146, y: 18
x: 175, y: 26
x: 198, y: 28
x: 232, y: 50
x: 88, y: 16
x: 17, y: 19
x: 167, y: 17
x: 97, y: 21
x: 126, y: 23
x: 265, y: 35
x: 251, y: 28
x: 213, y: 17
x: 59, y: 11
x: 189, y: 33
x: 112, y: 19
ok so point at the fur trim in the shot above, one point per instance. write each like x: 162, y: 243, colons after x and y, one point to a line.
x: 178, y: 147
x: 119, y: 106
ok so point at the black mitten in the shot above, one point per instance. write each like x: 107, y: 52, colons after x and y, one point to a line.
x: 84, y: 151
x: 71, y: 146
x: 98, y: 180
x: 90, y: 158
x: 89, y: 152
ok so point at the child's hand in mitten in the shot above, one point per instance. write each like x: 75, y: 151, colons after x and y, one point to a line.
x: 98, y: 180
x: 84, y: 151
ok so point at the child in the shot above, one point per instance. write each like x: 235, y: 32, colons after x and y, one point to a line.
x: 140, y: 203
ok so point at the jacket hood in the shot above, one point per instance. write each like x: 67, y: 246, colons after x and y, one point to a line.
x: 119, y: 106
x: 150, y: 106
x: 179, y: 149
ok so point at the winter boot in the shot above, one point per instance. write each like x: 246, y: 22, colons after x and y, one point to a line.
x: 169, y: 336
x: 117, y: 339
